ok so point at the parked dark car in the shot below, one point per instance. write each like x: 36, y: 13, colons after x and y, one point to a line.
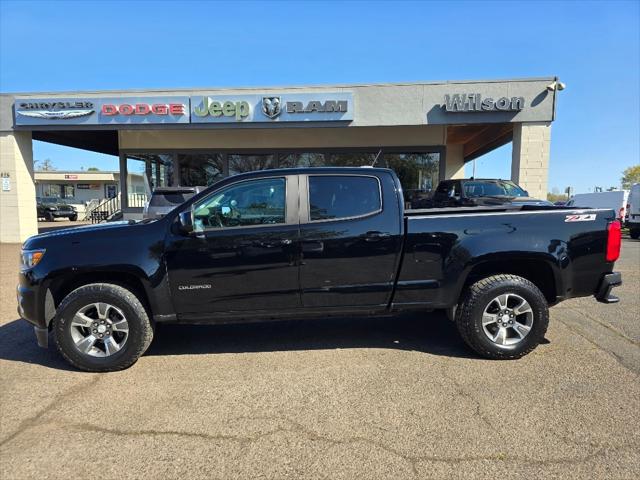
x: 477, y: 192
x: 51, y: 208
x: 299, y: 243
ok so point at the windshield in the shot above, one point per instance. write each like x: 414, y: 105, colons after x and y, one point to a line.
x: 493, y: 188
x: 51, y: 200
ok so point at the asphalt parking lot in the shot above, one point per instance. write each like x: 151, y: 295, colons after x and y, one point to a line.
x: 343, y: 399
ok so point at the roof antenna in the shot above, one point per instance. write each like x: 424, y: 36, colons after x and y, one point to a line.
x: 373, y: 164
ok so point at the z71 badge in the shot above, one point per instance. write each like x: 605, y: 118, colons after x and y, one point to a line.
x: 589, y: 217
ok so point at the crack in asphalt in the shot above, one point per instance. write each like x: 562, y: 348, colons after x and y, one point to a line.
x: 413, y: 461
x: 618, y: 359
x: 611, y: 328
x: 463, y: 393
x: 33, y: 420
x: 297, y: 428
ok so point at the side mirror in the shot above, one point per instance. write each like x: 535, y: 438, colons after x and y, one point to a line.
x: 526, y: 193
x: 185, y: 222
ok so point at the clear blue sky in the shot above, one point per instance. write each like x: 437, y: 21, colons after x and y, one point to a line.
x: 592, y: 46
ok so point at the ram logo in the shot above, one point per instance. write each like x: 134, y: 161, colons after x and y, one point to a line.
x: 271, y: 106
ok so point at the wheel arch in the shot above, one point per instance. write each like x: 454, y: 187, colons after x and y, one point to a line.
x: 62, y: 285
x: 541, y: 272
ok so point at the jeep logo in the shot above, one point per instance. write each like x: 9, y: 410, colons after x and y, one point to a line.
x: 239, y: 109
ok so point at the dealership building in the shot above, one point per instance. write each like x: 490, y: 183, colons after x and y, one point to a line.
x: 426, y: 132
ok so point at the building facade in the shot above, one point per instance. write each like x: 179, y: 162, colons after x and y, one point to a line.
x: 426, y: 132
x: 86, y: 189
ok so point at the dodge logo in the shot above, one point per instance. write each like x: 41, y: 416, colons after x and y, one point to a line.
x: 271, y: 106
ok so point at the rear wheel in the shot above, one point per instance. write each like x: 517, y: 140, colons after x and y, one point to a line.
x: 503, y: 317
x: 102, y: 327
x: 635, y: 233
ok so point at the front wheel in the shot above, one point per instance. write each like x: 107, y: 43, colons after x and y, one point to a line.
x: 73, y: 218
x: 635, y: 233
x: 102, y: 327
x: 503, y: 317
x: 49, y: 217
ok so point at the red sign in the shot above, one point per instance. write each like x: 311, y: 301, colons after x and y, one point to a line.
x: 70, y: 177
x: 143, y: 109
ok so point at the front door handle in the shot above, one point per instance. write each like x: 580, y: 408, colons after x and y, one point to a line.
x: 375, y: 236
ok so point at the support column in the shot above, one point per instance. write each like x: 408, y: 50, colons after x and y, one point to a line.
x: 530, y: 157
x: 18, y: 218
x: 454, y: 161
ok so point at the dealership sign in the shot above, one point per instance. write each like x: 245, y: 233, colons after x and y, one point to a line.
x: 286, y: 107
x: 102, y: 111
x: 474, y: 102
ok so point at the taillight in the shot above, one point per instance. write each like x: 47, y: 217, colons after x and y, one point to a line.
x: 614, y: 239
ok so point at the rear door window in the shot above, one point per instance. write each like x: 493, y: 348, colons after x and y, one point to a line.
x: 334, y: 196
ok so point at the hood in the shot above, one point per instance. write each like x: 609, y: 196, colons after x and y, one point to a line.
x: 58, y: 205
x: 71, y: 232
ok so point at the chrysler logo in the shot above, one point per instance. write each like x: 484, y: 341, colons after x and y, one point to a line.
x: 55, y: 110
x: 55, y: 114
x: 271, y: 106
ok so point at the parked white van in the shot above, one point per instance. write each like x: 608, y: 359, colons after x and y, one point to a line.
x: 633, y: 211
x: 617, y: 200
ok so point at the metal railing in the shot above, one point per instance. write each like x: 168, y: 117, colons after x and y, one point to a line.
x: 108, y: 208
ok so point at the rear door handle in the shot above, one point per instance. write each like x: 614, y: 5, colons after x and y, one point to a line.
x: 375, y: 236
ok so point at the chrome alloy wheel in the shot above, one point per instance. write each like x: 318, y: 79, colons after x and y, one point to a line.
x: 507, y: 319
x: 99, y: 329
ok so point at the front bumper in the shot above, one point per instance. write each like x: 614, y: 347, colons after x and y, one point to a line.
x: 64, y: 213
x: 608, y: 282
x: 31, y: 306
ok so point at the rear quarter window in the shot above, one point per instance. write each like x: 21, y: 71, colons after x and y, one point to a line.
x: 333, y: 196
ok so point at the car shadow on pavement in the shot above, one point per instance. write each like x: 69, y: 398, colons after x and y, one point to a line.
x: 18, y: 344
x: 429, y: 333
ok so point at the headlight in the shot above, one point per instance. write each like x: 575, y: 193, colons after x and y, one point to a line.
x: 30, y: 258
x: 52, y: 209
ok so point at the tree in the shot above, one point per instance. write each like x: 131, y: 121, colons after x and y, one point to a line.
x: 93, y: 169
x: 630, y: 176
x: 45, y: 165
x: 556, y: 197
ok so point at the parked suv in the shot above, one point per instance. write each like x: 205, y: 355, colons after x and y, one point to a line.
x: 51, y: 208
x: 478, y: 192
x: 165, y: 199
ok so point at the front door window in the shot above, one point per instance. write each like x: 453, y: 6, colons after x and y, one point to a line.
x: 246, y: 204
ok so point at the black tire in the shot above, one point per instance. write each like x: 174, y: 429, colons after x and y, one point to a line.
x: 73, y: 218
x: 478, y: 296
x: 635, y: 233
x: 49, y: 217
x: 140, y: 329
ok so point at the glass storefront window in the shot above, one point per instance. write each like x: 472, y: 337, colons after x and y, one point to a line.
x: 69, y: 191
x: 200, y: 169
x: 50, y: 190
x: 418, y: 173
x: 145, y: 172
x: 241, y: 163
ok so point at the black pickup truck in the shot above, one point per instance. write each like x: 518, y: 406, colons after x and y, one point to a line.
x: 299, y: 243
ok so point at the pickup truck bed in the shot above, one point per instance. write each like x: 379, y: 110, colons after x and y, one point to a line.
x: 299, y: 243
